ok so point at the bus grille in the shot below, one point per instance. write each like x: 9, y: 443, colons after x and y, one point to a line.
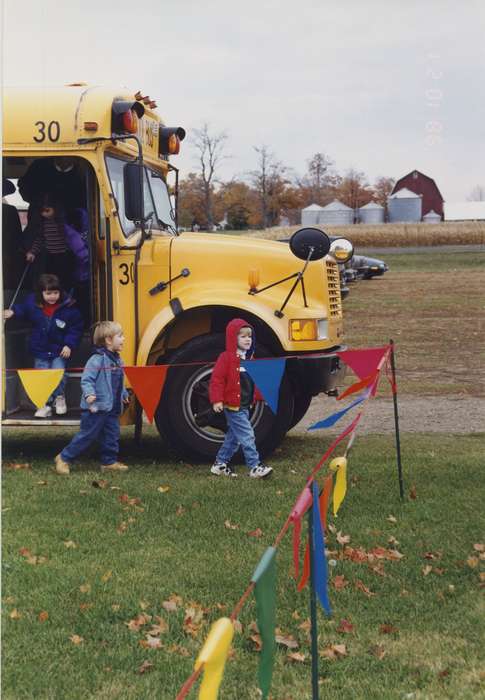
x: 333, y: 280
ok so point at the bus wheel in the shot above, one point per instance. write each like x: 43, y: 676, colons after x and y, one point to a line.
x: 302, y: 404
x: 184, y: 417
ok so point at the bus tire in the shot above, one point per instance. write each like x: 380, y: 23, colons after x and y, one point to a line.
x: 302, y: 404
x: 185, y: 399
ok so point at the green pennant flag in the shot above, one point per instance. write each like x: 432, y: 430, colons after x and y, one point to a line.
x: 264, y: 578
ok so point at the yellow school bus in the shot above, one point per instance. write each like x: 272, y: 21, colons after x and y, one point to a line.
x: 112, y: 156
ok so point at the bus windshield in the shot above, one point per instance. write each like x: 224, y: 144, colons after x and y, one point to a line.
x: 157, y: 203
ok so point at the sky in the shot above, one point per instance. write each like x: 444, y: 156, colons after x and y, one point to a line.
x: 382, y: 86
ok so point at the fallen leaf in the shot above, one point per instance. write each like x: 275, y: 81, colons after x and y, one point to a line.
x: 482, y: 576
x: 193, y: 620
x: 361, y: 587
x: 115, y: 607
x: 43, y: 616
x: 306, y: 625
x: 169, y: 605
x: 339, y: 582
x: 479, y: 547
x: 106, y: 576
x: 151, y: 642
x: 163, y: 489
x: 345, y: 627
x: 146, y: 666
x: 391, y: 519
x: 69, y: 544
x: 334, y: 651
x: 10, y: 600
x: 392, y: 540
x: 85, y: 588
x: 160, y: 628
x: 427, y: 569
x: 85, y: 606
x: 180, y: 510
x: 179, y: 650
x: 332, y: 528
x: 388, y: 629
x: 256, y: 533
x: 394, y: 554
x: 443, y: 674
x: 76, y: 639
x: 138, y: 622
x: 413, y: 493
x: 100, y: 483
x: 17, y: 466
x: 472, y: 562
x: 378, y: 569
x: 432, y: 555
x: 122, y: 527
x: 238, y: 628
x: 24, y: 552
x: 15, y: 614
x: 342, y: 539
x: 378, y: 651
x: 296, y: 656
x: 287, y: 641
x: 229, y: 526
x: 115, y: 488
x: 42, y: 483
x: 256, y: 639
x: 127, y: 500
x: 438, y: 571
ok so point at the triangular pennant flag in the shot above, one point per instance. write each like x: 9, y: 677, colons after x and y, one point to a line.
x: 339, y: 464
x: 267, y: 375
x: 213, y: 655
x: 331, y: 420
x: 323, y: 507
x: 303, y: 503
x: 363, y: 362
x: 147, y: 383
x: 320, y: 573
x: 358, y: 386
x: 40, y: 383
x: 264, y: 578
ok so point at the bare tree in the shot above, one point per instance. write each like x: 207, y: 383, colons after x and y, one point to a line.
x: 210, y: 154
x: 269, y: 181
x: 383, y: 187
x: 477, y: 194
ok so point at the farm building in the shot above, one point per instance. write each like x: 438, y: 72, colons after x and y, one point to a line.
x: 431, y: 218
x: 465, y: 211
x: 310, y: 214
x: 421, y: 184
x: 372, y: 213
x: 336, y: 213
x: 404, y: 206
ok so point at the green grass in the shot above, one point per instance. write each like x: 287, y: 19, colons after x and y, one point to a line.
x: 178, y: 545
x: 435, y: 261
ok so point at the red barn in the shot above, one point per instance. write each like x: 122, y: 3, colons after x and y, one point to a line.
x: 422, y: 184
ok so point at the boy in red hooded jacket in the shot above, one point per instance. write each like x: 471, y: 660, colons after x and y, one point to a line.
x: 232, y: 390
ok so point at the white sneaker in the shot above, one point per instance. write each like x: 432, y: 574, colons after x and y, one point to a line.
x: 221, y: 469
x: 60, y: 405
x: 43, y: 412
x: 260, y: 472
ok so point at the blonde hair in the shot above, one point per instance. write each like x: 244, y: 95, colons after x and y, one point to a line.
x: 105, y: 329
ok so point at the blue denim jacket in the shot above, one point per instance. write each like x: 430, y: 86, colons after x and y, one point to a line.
x: 96, y: 379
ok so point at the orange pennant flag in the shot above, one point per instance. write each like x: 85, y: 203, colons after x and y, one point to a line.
x: 358, y: 385
x: 147, y: 383
x: 40, y: 383
x: 324, y: 501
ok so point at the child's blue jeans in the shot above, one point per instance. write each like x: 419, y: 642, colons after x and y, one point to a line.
x: 102, y: 426
x: 240, y: 432
x: 54, y: 363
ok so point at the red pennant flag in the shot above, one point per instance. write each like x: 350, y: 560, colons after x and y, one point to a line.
x: 324, y: 500
x: 147, y: 383
x: 364, y: 362
x: 358, y: 386
x: 303, y: 503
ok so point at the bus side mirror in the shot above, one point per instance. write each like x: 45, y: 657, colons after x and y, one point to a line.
x: 133, y: 187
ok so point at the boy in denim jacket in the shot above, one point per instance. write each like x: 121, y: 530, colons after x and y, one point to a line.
x: 103, y: 395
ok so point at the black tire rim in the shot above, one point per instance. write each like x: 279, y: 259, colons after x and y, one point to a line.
x: 195, y: 400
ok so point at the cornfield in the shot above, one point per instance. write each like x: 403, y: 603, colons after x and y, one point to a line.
x: 393, y: 235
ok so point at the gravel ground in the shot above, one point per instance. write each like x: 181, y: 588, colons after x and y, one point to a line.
x: 436, y: 414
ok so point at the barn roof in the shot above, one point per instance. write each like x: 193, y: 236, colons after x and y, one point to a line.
x: 372, y: 205
x: 336, y: 205
x: 312, y: 207
x: 422, y: 176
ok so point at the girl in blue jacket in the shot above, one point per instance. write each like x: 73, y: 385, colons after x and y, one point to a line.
x: 57, y: 328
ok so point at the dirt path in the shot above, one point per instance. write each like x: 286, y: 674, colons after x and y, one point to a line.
x: 436, y: 414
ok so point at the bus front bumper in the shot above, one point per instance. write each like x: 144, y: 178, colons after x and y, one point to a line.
x: 317, y: 374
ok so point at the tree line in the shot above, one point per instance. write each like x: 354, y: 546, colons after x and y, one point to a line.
x: 270, y: 192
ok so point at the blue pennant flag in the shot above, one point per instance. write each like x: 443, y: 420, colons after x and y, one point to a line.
x: 267, y: 375
x: 331, y: 420
x: 320, y: 573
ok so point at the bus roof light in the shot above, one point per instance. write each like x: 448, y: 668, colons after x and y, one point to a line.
x: 125, y: 115
x: 169, y: 141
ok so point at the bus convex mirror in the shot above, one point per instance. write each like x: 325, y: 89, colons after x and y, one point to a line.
x: 133, y: 187
x: 309, y: 244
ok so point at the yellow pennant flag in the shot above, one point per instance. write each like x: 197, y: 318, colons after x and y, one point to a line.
x: 40, y: 383
x: 213, y: 655
x: 339, y: 465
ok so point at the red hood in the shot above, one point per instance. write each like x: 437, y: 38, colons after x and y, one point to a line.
x: 232, y: 330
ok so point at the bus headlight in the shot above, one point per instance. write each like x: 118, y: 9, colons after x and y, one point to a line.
x: 308, y: 329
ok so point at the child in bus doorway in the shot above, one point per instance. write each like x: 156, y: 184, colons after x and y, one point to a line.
x: 66, y: 252
x: 232, y: 390
x: 57, y: 329
x: 102, y: 399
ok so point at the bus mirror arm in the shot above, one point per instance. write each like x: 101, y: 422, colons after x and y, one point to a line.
x: 161, y: 286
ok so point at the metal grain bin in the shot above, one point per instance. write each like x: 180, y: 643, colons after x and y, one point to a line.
x: 405, y: 206
x: 432, y: 217
x: 336, y: 213
x: 372, y: 213
x: 310, y: 214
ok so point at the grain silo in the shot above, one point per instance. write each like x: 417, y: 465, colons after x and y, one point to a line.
x: 310, y: 214
x: 336, y: 213
x: 404, y: 206
x: 372, y: 213
x: 432, y: 217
